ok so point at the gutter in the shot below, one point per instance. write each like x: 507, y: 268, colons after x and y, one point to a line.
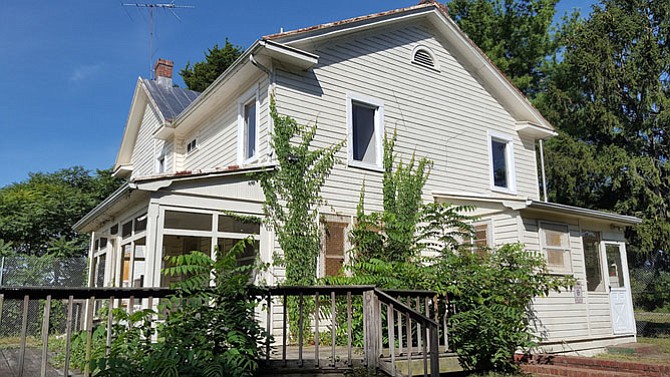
x: 104, y: 205
x: 563, y: 208
x: 521, y: 204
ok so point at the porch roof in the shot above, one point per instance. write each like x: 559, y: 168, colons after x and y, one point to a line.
x: 526, y: 204
x: 154, y: 183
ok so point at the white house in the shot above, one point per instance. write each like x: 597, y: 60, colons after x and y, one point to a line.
x: 186, y: 157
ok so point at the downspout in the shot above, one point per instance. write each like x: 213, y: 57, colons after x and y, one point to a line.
x: 544, y: 175
x: 271, y: 78
x: 260, y: 66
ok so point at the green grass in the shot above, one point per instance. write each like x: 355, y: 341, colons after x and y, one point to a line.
x: 664, y: 343
x: 56, y: 346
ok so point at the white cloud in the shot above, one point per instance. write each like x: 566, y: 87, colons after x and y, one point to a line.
x: 84, y: 72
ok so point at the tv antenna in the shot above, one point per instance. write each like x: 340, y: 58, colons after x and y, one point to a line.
x: 171, y: 6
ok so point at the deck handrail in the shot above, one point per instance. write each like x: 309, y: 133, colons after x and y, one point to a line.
x: 410, y: 320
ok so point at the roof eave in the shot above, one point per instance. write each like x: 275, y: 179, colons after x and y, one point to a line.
x: 102, y: 207
x: 583, y: 212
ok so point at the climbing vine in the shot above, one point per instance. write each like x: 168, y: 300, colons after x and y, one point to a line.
x: 292, y: 194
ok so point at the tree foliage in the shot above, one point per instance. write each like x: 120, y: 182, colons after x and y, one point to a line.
x: 217, y: 60
x: 36, y: 215
x: 515, y: 34
x: 610, y: 98
x: 391, y: 235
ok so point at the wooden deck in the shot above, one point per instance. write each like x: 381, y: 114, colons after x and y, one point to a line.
x: 9, y: 364
x: 324, y: 366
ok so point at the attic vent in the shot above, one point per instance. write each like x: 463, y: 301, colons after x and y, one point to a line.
x: 423, y: 56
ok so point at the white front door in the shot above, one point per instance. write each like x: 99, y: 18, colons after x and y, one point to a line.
x: 620, y: 301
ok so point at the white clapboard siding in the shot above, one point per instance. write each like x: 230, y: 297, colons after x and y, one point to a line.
x: 217, y: 135
x: 441, y: 115
x: 143, y: 158
x: 600, y: 315
x: 505, y: 228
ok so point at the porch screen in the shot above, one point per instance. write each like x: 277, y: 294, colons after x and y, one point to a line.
x: 592, y: 262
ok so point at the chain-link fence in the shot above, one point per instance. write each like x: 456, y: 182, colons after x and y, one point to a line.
x: 650, y: 287
x: 32, y: 271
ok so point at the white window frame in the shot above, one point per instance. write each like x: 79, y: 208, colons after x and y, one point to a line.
x: 195, y: 148
x: 378, y: 129
x: 544, y: 247
x: 248, y: 97
x: 509, y: 161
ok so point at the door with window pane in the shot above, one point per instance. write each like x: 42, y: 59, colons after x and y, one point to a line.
x: 620, y: 303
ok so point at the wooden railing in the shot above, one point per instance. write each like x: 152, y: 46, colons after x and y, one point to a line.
x: 412, y: 320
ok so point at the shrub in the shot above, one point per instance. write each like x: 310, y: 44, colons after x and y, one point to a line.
x: 208, y: 331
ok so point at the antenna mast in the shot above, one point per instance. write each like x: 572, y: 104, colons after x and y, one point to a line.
x: 150, y: 6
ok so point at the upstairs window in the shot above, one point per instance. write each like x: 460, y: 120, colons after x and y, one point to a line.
x: 247, y: 127
x: 191, y: 146
x: 501, y: 154
x: 160, y: 164
x: 365, y: 120
x: 250, y: 130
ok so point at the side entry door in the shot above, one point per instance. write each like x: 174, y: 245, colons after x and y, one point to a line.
x: 623, y: 321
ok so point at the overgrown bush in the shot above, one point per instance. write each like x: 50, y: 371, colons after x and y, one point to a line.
x: 492, y: 293
x: 207, y: 331
x: 492, y: 290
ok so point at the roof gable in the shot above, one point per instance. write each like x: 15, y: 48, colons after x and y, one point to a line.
x: 527, y: 116
x: 167, y: 102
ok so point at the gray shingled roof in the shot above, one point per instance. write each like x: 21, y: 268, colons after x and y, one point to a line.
x: 170, y: 100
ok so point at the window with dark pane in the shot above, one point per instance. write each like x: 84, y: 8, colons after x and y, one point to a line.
x: 250, y: 130
x: 593, y: 262
x: 499, y: 156
x: 364, y: 139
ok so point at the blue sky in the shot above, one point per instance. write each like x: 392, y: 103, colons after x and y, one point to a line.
x: 69, y: 67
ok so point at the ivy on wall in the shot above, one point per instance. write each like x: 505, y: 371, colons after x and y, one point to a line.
x: 293, y: 194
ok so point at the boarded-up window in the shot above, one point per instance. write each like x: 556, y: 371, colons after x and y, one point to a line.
x: 480, y: 239
x: 335, y: 234
x: 556, y: 244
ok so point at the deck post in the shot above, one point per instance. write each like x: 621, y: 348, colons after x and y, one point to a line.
x: 371, y: 327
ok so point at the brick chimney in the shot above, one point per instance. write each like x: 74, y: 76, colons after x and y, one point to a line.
x: 163, y: 72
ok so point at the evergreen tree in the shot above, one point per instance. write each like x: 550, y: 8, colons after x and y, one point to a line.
x: 515, y: 34
x: 217, y: 60
x: 610, y: 98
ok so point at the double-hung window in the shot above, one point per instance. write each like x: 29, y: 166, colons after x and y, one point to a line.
x: 247, y: 128
x: 365, y: 119
x: 501, y: 152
